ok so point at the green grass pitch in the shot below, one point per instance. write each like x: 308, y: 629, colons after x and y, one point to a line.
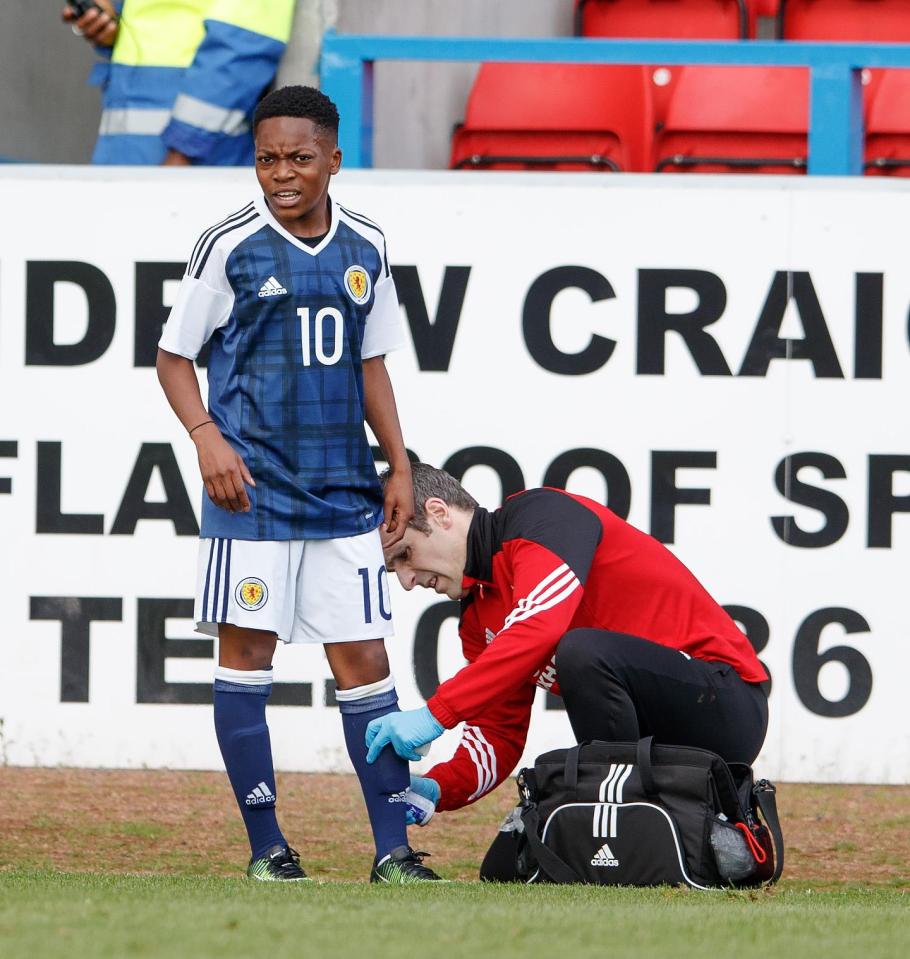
x: 44, y: 915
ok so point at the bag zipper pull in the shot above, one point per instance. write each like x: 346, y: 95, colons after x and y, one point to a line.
x: 758, y: 854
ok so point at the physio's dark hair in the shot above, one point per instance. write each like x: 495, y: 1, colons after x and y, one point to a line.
x: 308, y: 103
x: 430, y: 482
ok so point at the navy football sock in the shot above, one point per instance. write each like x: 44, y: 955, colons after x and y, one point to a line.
x: 243, y: 736
x: 385, y: 781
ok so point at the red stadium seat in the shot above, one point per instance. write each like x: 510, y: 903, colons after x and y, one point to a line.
x: 554, y: 116
x: 887, y: 92
x: 888, y: 123
x: 665, y: 19
x: 734, y: 120
x: 858, y: 20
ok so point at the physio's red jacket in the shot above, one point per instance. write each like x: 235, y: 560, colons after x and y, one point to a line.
x: 544, y: 563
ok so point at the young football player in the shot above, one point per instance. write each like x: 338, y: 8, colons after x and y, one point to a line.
x: 295, y: 297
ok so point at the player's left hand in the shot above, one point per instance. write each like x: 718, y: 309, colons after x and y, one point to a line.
x: 405, y: 731
x: 398, y: 507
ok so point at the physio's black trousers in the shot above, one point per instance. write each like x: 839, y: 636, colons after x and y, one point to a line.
x: 620, y: 688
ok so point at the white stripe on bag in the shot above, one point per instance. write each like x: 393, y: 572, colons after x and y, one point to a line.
x: 599, y: 811
x: 611, y: 786
x: 621, y: 782
x: 606, y: 816
x: 611, y: 775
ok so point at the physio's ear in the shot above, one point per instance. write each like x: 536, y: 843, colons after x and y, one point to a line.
x: 438, y: 510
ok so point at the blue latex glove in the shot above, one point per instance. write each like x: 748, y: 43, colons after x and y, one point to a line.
x: 422, y: 799
x: 405, y: 731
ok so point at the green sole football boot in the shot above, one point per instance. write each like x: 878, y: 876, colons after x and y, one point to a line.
x: 279, y: 864
x: 402, y: 867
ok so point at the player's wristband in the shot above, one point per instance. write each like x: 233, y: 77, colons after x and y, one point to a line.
x: 199, y: 426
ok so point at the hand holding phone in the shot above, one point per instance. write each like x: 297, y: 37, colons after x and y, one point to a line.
x: 81, y: 7
x: 95, y: 22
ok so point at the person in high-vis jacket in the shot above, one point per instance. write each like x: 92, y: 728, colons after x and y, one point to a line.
x: 181, y: 78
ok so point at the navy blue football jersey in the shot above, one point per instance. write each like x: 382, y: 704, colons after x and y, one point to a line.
x: 289, y: 326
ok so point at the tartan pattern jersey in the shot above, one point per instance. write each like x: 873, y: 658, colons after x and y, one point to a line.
x: 289, y: 326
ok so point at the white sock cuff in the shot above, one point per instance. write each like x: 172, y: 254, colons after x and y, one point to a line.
x: 362, y: 692
x: 245, y: 677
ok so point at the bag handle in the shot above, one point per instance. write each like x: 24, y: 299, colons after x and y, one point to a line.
x: 643, y: 757
x: 570, y: 772
x: 551, y: 864
x: 645, y: 769
x: 764, y: 793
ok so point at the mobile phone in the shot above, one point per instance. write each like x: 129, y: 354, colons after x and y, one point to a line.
x: 81, y: 7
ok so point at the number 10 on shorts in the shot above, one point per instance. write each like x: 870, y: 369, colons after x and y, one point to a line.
x: 381, y: 580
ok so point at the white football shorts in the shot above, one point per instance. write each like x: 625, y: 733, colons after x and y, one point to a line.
x: 305, y: 591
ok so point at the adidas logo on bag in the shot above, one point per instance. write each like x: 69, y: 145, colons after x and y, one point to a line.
x: 271, y: 287
x: 260, y: 795
x: 604, y: 857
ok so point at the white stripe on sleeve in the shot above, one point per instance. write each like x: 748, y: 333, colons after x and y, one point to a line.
x: 481, y: 771
x: 487, y: 753
x: 550, y: 591
x: 484, y: 757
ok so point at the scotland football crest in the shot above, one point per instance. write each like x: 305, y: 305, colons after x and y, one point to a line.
x: 251, y: 593
x: 357, y: 283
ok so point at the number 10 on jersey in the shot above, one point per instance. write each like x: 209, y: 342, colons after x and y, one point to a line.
x: 327, y: 313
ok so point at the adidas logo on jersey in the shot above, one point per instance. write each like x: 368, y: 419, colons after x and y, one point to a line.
x: 271, y: 287
x: 260, y: 795
x: 604, y: 857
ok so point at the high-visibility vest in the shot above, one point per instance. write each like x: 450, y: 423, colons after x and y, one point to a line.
x: 186, y: 75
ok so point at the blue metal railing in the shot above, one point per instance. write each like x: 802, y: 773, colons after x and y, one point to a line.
x: 835, y: 91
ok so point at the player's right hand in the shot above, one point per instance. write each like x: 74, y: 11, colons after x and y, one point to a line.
x: 98, y: 26
x: 223, y: 470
